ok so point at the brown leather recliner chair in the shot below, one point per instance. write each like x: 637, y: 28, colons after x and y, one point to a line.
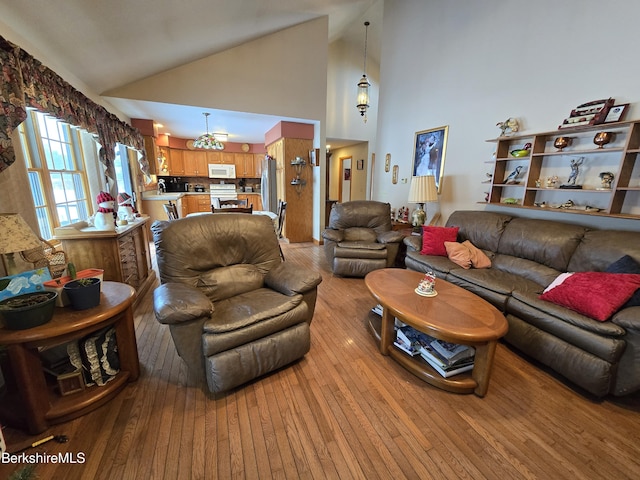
x: 236, y: 311
x: 359, y: 238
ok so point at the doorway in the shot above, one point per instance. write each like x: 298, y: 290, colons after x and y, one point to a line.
x: 345, y: 179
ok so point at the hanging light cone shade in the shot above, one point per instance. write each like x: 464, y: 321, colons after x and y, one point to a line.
x: 363, y: 84
x: 208, y: 140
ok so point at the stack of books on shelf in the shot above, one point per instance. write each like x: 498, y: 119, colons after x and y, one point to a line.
x: 446, y: 358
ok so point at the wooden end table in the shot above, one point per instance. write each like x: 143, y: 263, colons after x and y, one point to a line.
x: 34, y: 404
x: 454, y: 315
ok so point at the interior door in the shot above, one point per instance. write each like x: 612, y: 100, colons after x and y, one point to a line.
x: 345, y: 179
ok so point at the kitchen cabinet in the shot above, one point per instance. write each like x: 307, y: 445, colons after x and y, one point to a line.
x: 257, y: 162
x: 214, y: 156
x: 175, y: 157
x: 252, y: 199
x: 122, y: 254
x: 546, y: 169
x: 197, y: 203
x: 228, y: 158
x: 152, y: 152
x: 245, y: 165
x: 195, y: 164
x: 298, y: 223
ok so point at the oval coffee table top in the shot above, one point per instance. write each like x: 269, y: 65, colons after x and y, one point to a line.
x: 454, y: 314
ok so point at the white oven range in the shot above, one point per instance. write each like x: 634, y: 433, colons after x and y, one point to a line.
x: 222, y: 191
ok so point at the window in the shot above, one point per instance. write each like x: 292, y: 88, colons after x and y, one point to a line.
x: 57, y: 175
x: 121, y: 167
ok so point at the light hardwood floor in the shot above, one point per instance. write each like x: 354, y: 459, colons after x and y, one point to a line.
x: 343, y: 411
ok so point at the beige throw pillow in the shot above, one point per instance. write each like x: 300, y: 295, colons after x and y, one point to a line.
x: 467, y: 255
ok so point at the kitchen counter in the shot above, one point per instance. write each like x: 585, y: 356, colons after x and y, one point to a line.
x: 164, y: 196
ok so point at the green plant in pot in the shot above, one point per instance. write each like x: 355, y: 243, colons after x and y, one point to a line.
x: 83, y: 293
x: 27, y: 310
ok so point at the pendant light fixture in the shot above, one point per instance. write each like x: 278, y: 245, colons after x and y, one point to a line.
x: 363, y: 84
x: 208, y: 140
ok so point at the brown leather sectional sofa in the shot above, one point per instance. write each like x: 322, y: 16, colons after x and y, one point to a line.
x: 527, y: 255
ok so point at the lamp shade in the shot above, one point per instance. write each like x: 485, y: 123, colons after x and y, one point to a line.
x: 16, y: 235
x: 423, y: 189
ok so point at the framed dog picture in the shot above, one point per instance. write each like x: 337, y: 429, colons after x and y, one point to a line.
x: 429, y: 151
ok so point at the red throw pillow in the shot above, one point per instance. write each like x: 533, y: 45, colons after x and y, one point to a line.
x: 597, y: 295
x: 433, y: 239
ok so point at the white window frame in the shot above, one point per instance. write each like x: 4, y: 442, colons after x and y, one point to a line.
x: 45, y: 169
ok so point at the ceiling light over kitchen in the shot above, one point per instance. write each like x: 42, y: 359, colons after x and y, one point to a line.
x: 208, y: 140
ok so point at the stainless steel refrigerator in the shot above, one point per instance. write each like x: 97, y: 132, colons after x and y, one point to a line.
x: 268, y: 188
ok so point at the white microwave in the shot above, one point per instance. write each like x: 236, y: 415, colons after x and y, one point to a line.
x: 222, y: 170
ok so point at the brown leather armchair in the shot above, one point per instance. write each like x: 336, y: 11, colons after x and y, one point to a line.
x: 359, y: 238
x: 235, y: 310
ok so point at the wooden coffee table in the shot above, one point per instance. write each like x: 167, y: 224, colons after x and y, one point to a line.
x: 35, y: 404
x: 454, y: 315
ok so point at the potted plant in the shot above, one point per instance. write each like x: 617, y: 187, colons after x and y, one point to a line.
x: 57, y: 284
x: 27, y: 310
x: 83, y: 293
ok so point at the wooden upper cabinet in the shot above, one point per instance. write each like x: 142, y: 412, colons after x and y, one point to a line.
x: 176, y: 161
x: 245, y: 167
x: 195, y: 164
x: 258, y: 158
x: 214, y: 157
x: 151, y: 152
x: 227, y: 158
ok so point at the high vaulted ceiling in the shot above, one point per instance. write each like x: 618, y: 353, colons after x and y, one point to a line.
x: 110, y: 44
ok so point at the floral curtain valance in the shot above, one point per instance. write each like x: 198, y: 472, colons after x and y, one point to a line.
x: 25, y: 82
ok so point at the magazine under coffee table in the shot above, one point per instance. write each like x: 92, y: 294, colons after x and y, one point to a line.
x: 454, y: 315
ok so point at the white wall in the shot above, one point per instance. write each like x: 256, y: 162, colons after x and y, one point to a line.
x: 469, y: 64
x: 358, y: 177
x: 344, y: 71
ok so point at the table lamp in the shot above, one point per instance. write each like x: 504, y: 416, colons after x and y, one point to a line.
x: 423, y: 189
x: 15, y: 236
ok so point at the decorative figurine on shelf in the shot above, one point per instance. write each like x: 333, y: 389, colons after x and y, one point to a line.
x: 126, y: 209
x: 562, y: 142
x: 575, y: 171
x: 568, y: 204
x: 489, y: 177
x: 105, y: 218
x: 513, y: 176
x: 551, y: 181
x: 427, y: 286
x: 486, y: 196
x: 539, y: 183
x: 510, y: 125
x: 606, y: 178
x: 521, y: 152
x: 405, y: 214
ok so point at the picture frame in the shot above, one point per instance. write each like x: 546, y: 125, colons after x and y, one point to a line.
x: 616, y: 113
x: 360, y: 164
x: 429, y: 152
x: 24, y: 282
